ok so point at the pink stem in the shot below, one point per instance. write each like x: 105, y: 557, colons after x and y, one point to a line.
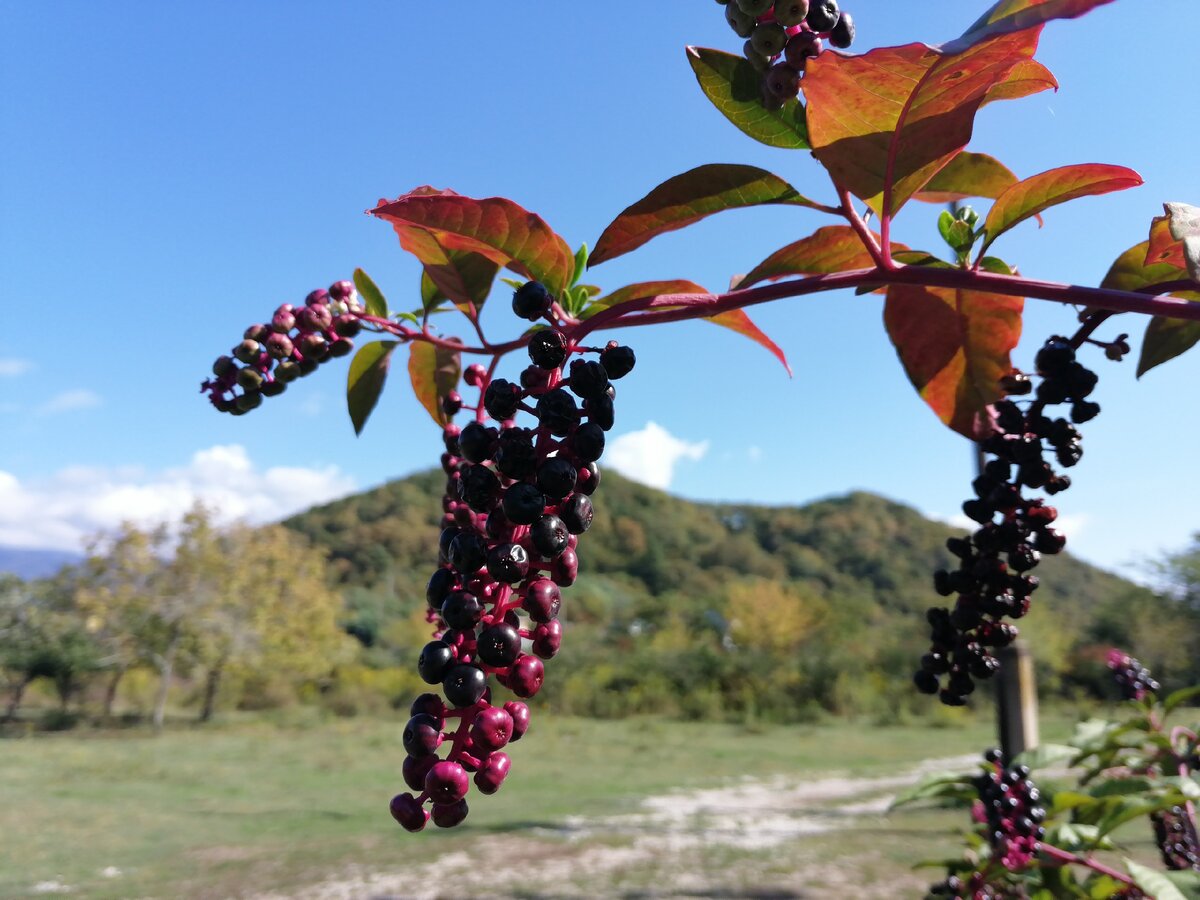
x: 1073, y: 859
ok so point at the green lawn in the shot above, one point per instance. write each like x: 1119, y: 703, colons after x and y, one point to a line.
x: 241, y: 808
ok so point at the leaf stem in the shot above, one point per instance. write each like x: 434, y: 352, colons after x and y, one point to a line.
x: 882, y: 257
x: 1073, y: 859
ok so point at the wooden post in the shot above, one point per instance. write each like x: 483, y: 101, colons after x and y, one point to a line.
x: 1016, y: 701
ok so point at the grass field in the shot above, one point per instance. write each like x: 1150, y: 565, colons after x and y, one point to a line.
x: 253, y: 808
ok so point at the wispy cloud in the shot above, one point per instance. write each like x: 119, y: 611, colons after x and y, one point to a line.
x: 10, y: 368
x: 61, y: 511
x: 650, y: 455
x: 70, y: 401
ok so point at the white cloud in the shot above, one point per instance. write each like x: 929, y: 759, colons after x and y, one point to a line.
x: 650, y: 455
x: 10, y: 368
x: 755, y: 454
x: 61, y: 511
x: 69, y: 401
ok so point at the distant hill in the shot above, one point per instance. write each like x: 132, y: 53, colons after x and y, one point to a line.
x: 827, y: 598
x: 26, y: 563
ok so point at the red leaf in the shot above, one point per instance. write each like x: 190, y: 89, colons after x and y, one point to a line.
x: 434, y: 372
x: 886, y: 122
x: 1163, y: 248
x: 494, y: 227
x: 739, y: 321
x: 1027, y: 77
x: 834, y: 248
x: 464, y: 276
x: 1018, y: 15
x: 688, y: 198
x: 968, y: 175
x: 1040, y: 192
x: 955, y: 346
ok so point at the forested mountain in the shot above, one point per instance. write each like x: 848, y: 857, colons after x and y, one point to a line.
x: 700, y: 609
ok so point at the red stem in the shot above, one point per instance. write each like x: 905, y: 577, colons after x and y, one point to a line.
x: 1073, y: 859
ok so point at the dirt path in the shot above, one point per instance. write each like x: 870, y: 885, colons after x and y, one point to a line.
x: 710, y: 843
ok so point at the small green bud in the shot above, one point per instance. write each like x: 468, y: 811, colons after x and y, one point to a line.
x: 287, y: 371
x: 249, y: 401
x: 273, y: 388
x: 247, y: 351
x: 224, y: 366
x: 249, y: 379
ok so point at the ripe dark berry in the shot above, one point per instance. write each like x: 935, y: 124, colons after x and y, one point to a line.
x: 782, y: 81
x: 926, y: 682
x: 422, y: 735
x: 822, y: 15
x: 468, y: 552
x: 464, y: 685
x: 557, y: 412
x: 800, y: 48
x: 588, y: 378
x: 526, y: 675
x: 430, y: 705
x: 479, y: 488
x: 440, y: 585
x: 499, y: 645
x: 492, y: 775
x: 531, y: 301
x: 508, y: 563
x: 447, y: 815
x: 492, y: 728
x: 577, y: 513
x: 462, y: 610
x: 618, y: 360
x: 557, y: 476
x: 415, y: 768
x: 1054, y: 356
x: 600, y: 411
x: 523, y: 503
x: 588, y: 479
x: 588, y: 442
x: 1084, y: 411
x: 548, y: 349
x: 842, y: 34
x: 452, y: 403
x: 549, y: 535
x: 565, y: 568
x: 768, y: 38
x: 501, y: 400
x: 515, y: 453
x: 542, y: 600
x: 408, y: 812
x: 434, y: 662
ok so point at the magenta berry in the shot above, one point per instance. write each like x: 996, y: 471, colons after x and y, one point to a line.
x: 408, y: 812
x: 446, y: 782
x: 489, y: 778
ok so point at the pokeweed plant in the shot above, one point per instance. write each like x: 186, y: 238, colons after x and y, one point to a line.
x: 889, y: 126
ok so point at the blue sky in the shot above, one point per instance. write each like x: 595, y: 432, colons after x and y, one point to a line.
x: 168, y: 176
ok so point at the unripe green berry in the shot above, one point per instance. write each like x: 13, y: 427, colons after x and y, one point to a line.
x: 742, y: 24
x: 790, y: 12
x: 341, y: 347
x: 249, y: 401
x: 754, y: 8
x: 247, y: 351
x: 256, y: 333
x: 273, y: 388
x: 756, y: 59
x: 224, y: 366
x: 769, y: 38
x: 287, y: 371
x: 249, y: 379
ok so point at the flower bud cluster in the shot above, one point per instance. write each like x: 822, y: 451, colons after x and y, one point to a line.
x: 517, y: 499
x: 290, y: 346
x: 783, y: 35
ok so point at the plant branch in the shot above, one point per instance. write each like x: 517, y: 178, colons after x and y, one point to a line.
x: 881, y: 256
x: 1073, y: 859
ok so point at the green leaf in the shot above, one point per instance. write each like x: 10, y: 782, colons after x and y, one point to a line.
x: 954, y: 345
x: 368, y: 372
x: 735, y: 89
x: 967, y: 175
x: 434, y: 372
x: 1179, y: 697
x: 886, y: 122
x: 996, y: 266
x: 688, y: 198
x: 1039, y: 192
x: 1188, y: 882
x: 1045, y: 755
x: 1165, y: 338
x: 1017, y: 15
x: 581, y: 263
x: 1153, y: 882
x: 371, y: 295
x: 920, y: 258
x: 947, y: 785
x: 495, y: 228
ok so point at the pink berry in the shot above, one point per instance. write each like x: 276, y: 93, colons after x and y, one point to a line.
x: 492, y: 728
x: 446, y: 782
x: 447, y: 815
x: 526, y: 675
x: 492, y: 775
x: 474, y: 375
x: 547, y: 638
x: 408, y: 812
x: 341, y: 290
x: 415, y: 768
x: 520, y: 716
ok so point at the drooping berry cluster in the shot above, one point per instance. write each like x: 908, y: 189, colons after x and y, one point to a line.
x: 290, y: 346
x: 1009, y: 804
x: 517, y: 498
x: 992, y: 580
x: 783, y: 35
x: 1175, y: 834
x: 1134, y: 679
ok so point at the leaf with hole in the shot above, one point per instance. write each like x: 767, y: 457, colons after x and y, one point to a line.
x: 884, y: 123
x: 734, y: 87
